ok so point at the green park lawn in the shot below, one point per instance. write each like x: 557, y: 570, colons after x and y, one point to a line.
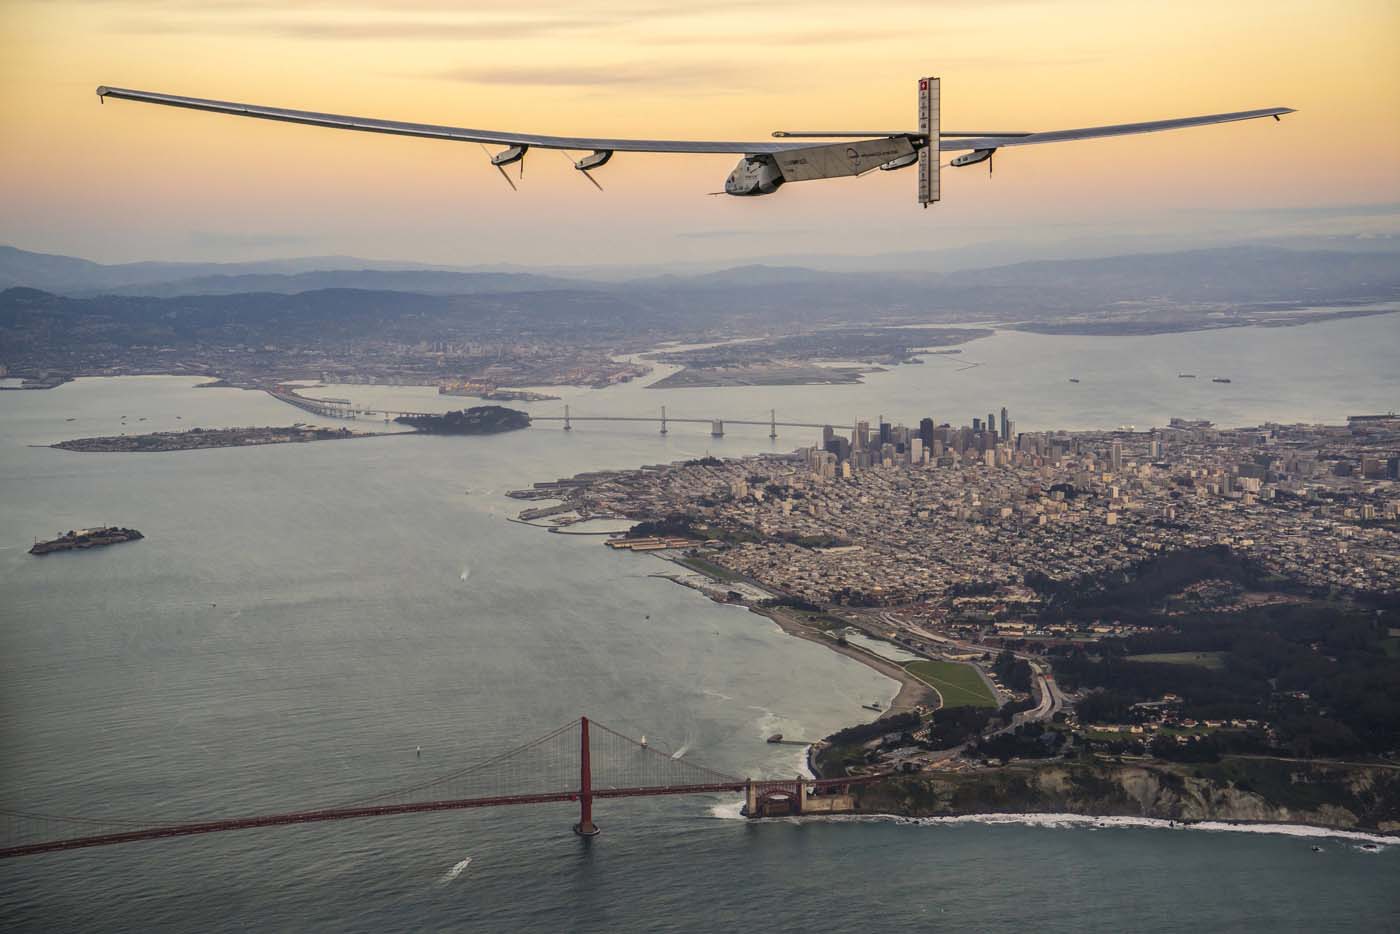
x: 959, y: 685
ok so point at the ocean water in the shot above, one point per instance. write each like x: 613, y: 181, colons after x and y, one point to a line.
x: 301, y: 617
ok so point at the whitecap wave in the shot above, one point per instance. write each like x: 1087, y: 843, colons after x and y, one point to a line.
x: 728, y: 810
x: 456, y: 870
x: 1068, y: 821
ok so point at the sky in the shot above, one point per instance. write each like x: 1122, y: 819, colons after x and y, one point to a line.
x: 123, y: 181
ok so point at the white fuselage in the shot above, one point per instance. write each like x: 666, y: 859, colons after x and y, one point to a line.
x: 754, y: 175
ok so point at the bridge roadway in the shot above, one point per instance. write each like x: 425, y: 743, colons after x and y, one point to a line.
x: 329, y: 408
x: 388, y: 810
x: 765, y: 423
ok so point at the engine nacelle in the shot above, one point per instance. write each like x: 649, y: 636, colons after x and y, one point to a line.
x: 972, y: 158
x: 754, y: 175
x: 903, y: 162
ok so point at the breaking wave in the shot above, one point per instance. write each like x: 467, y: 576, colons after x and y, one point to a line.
x: 1063, y: 821
x: 456, y: 871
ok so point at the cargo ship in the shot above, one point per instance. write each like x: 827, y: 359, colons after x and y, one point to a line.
x: 1220, y: 379
x: 86, y: 538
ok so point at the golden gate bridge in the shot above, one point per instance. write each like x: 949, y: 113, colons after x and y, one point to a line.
x: 581, y: 761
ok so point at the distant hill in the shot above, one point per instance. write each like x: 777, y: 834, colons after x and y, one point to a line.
x: 70, y: 275
x: 1228, y: 274
x: 426, y: 281
x: 241, y: 304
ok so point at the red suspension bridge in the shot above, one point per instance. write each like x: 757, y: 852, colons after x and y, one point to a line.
x: 581, y: 761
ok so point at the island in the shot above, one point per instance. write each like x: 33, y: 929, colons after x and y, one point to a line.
x: 478, y: 420
x: 198, y: 438
x: 86, y: 538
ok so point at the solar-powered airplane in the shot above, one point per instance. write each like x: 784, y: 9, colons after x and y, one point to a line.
x: 798, y: 156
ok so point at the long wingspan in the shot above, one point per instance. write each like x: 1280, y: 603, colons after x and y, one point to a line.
x: 949, y: 141
x: 1098, y: 132
x: 460, y: 134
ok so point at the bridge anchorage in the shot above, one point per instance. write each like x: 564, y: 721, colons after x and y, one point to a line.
x: 581, y: 762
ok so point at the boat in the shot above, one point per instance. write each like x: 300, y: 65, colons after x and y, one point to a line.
x: 1371, y: 847
x: 1073, y: 380
x: 874, y: 706
x: 776, y: 738
x: 1220, y: 379
x: 1317, y: 849
x: 1186, y: 376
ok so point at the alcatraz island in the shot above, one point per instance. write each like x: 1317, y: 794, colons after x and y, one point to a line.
x: 81, y: 539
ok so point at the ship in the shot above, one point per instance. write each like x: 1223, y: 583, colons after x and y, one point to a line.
x: 1186, y: 376
x: 776, y: 738
x: 1073, y: 380
x: 1220, y: 379
x: 874, y: 706
x: 86, y: 538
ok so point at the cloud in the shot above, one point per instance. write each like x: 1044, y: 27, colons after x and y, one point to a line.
x: 660, y: 75
x: 362, y: 30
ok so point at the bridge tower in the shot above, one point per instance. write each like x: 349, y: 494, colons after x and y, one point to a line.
x: 717, y: 428
x: 773, y: 424
x: 567, y: 426
x: 663, y: 419
x: 585, y: 826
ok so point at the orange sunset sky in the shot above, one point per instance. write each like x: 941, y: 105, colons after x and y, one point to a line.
x: 125, y: 181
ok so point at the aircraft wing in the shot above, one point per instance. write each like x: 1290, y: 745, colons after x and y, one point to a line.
x: 1099, y: 132
x: 460, y: 134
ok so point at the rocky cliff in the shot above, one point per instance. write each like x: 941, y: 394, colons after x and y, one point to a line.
x: 1239, y: 789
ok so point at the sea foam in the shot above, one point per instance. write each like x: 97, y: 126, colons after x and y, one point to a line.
x: 1063, y: 821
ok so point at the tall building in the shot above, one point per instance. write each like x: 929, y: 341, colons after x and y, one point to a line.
x: 926, y: 432
x: 1005, y: 424
x: 1115, y: 456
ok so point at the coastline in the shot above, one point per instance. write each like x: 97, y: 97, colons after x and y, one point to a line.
x: 912, y: 691
x: 1059, y: 820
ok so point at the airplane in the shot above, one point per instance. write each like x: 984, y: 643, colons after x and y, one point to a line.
x: 764, y: 167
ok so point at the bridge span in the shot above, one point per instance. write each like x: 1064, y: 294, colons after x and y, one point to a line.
x: 581, y: 761
x: 346, y: 409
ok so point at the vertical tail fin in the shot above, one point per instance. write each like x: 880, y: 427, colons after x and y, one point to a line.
x: 929, y: 155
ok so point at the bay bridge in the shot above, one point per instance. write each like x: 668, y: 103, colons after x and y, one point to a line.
x: 582, y: 761
x: 345, y: 408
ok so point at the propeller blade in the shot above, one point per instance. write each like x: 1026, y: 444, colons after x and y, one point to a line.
x: 589, y: 175
x: 502, y: 170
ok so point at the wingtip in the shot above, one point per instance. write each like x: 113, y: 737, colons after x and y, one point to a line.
x: 102, y: 90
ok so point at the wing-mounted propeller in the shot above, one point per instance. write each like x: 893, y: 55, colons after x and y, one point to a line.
x: 505, y: 157
x: 596, y: 160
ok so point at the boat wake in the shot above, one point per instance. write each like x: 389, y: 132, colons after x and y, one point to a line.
x: 455, y: 871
